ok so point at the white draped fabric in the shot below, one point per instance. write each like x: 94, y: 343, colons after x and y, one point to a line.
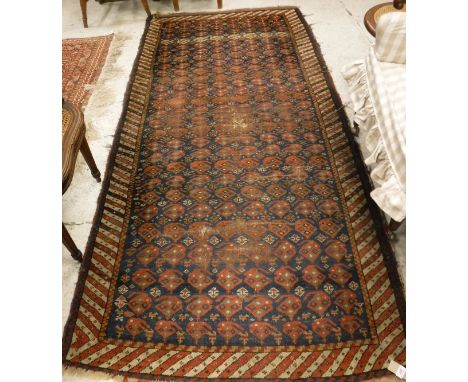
x: 377, y: 92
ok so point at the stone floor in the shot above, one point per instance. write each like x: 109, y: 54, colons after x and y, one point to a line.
x: 337, y: 25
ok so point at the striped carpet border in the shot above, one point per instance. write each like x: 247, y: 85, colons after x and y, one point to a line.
x: 95, y: 280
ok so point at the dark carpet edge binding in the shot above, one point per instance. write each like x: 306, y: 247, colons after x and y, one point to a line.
x: 376, y: 214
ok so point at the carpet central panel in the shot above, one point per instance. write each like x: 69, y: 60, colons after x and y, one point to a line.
x: 234, y: 238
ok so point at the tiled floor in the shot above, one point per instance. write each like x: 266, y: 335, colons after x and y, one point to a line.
x: 337, y: 25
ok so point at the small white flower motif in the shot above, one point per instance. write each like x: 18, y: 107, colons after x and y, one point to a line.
x: 273, y: 293
x: 155, y: 292
x: 295, y: 238
x: 315, y: 198
x: 290, y: 198
x: 265, y: 199
x: 321, y: 237
x: 213, y: 292
x: 238, y: 199
x: 214, y: 240
x: 236, y: 171
x: 188, y: 241
x: 214, y: 270
x: 162, y: 242
x: 187, y: 202
x: 270, y: 239
x: 241, y: 240
x: 353, y: 285
x: 308, y: 168
x: 272, y: 269
x: 185, y: 293
x: 343, y: 237
x: 162, y: 203
x: 136, y: 243
x: 298, y: 267
x: 328, y: 288
x: 262, y: 169
x: 186, y: 271
x: 123, y: 289
x: 299, y: 291
x: 242, y: 292
x: 120, y: 302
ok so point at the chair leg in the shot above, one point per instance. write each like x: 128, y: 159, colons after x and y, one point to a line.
x: 176, y: 5
x: 394, y: 225
x: 145, y: 5
x: 220, y: 4
x: 355, y: 129
x: 70, y: 244
x: 90, y: 160
x: 83, y: 12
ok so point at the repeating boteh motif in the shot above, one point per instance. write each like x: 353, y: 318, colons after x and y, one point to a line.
x: 235, y: 238
x: 236, y: 232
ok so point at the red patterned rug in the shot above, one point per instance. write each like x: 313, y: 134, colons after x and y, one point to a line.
x: 235, y: 236
x: 82, y: 62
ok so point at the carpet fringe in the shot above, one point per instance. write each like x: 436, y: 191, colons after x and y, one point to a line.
x: 70, y: 373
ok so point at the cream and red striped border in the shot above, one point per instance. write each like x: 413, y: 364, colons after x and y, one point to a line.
x: 111, y: 229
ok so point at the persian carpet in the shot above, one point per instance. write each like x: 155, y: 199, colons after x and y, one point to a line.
x: 235, y: 236
x: 82, y: 62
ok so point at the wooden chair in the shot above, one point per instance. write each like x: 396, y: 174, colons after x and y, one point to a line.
x: 74, y: 140
x: 373, y: 14
x: 83, y: 4
x: 175, y: 3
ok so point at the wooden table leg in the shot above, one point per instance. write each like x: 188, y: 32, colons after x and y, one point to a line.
x: 70, y: 244
x: 90, y: 160
x: 145, y: 5
x: 176, y: 5
x: 220, y: 4
x: 83, y: 12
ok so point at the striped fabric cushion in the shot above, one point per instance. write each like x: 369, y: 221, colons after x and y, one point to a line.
x: 390, y: 38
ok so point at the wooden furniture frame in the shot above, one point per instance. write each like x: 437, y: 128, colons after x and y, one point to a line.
x: 175, y: 3
x: 74, y: 140
x: 370, y: 17
x: 83, y: 4
x: 394, y: 225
